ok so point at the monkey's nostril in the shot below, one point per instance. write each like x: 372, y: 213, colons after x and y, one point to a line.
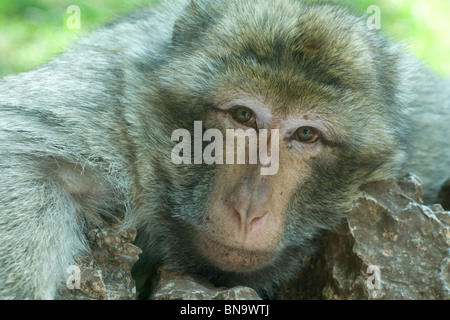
x: 247, y: 219
x: 257, y: 221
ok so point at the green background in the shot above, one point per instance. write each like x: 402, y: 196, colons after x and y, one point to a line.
x: 33, y: 31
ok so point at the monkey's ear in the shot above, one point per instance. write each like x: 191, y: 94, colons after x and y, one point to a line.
x: 189, y: 26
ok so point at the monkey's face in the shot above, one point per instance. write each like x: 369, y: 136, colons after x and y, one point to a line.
x: 246, y: 220
x: 279, y: 66
x: 246, y: 215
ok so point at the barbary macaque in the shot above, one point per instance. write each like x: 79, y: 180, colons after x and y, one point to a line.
x: 91, y: 133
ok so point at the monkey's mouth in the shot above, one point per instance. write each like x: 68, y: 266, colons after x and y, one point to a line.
x: 232, y: 259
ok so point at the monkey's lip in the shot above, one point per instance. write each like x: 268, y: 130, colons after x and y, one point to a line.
x: 232, y: 259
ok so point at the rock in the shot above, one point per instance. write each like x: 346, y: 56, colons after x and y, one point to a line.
x: 181, y: 286
x: 105, y: 273
x: 390, y: 247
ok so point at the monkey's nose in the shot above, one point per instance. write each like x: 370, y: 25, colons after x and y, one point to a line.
x: 247, y: 219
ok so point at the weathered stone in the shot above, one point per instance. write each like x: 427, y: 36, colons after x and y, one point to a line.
x: 105, y: 273
x: 182, y: 286
x: 390, y: 231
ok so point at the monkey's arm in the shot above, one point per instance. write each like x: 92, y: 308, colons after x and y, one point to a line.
x: 64, y: 151
x: 50, y: 123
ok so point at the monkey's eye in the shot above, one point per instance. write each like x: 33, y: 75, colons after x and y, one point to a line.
x: 306, y: 135
x: 243, y: 115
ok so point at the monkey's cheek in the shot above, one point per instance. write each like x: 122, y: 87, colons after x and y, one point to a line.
x: 232, y: 259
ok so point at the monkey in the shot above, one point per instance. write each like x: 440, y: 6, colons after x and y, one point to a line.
x: 88, y: 134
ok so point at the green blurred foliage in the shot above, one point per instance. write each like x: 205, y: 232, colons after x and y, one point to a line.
x: 33, y: 31
x: 422, y: 25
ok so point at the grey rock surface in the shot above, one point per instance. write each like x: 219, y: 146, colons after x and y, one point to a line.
x: 105, y: 273
x: 181, y: 286
x: 390, y: 247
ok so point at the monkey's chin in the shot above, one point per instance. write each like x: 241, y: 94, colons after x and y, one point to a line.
x: 232, y: 259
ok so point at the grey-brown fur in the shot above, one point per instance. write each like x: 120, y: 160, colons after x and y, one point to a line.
x: 88, y: 133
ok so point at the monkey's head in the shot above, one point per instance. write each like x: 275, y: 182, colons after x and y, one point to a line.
x: 317, y: 75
